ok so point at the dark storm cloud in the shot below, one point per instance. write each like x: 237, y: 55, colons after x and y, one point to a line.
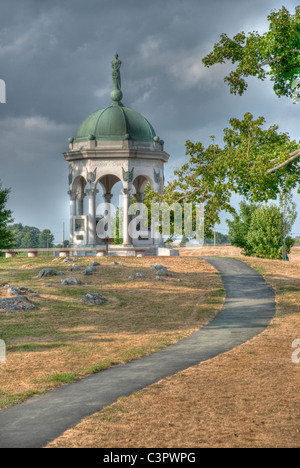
x: 56, y: 61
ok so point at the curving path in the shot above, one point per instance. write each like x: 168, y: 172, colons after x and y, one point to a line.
x: 248, y: 309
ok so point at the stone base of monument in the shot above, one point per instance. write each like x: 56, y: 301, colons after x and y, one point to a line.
x: 165, y: 252
x: 161, y: 252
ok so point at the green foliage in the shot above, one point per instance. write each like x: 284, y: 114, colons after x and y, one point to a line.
x: 262, y: 230
x: 27, y: 237
x: 239, y: 227
x: 202, y: 180
x: 46, y: 239
x: 266, y: 233
x: 220, y: 239
x: 278, y: 49
x: 297, y: 240
x: 212, y: 174
x: 6, y: 237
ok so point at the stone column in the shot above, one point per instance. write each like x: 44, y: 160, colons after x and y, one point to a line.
x: 107, y: 199
x: 72, y: 195
x: 80, y: 197
x: 126, y: 200
x: 92, y: 216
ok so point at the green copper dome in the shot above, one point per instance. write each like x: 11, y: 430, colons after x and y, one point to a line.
x: 115, y: 122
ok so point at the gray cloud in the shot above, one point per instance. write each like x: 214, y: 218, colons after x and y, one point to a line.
x: 56, y: 57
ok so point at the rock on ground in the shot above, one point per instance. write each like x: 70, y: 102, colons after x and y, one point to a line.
x: 70, y: 281
x: 45, y: 272
x: 94, y: 298
x: 139, y: 275
x: 89, y: 270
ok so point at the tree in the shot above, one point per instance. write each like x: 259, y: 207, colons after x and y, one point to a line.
x: 28, y: 241
x: 289, y: 215
x: 219, y: 238
x: 46, y: 239
x: 244, y: 165
x: 278, y: 49
x: 239, y: 227
x: 297, y: 240
x: 265, y: 234
x: 202, y: 180
x: 259, y: 230
x: 6, y: 237
x: 250, y: 152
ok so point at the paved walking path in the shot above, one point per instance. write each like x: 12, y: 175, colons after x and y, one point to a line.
x: 247, y: 311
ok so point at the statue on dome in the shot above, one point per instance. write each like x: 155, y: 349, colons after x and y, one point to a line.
x: 116, y: 75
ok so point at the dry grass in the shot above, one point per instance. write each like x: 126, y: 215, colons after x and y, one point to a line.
x: 65, y: 339
x: 248, y: 397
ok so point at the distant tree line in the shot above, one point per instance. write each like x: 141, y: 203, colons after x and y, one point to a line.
x: 27, y: 237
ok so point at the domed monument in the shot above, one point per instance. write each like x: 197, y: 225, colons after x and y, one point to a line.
x: 113, y: 144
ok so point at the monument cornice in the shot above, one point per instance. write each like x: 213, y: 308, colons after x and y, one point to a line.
x: 114, y: 154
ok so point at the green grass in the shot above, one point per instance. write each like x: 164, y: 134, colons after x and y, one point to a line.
x: 31, y: 347
x: 63, y: 378
x: 10, y: 400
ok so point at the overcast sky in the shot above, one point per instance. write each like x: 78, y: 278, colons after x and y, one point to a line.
x: 56, y: 63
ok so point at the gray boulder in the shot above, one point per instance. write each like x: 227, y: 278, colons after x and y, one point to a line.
x: 45, y: 272
x: 139, y: 275
x: 70, y: 281
x: 89, y: 270
x: 94, y: 299
x: 157, y: 266
x: 162, y: 272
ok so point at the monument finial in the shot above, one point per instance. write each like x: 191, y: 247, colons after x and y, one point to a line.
x: 116, y: 95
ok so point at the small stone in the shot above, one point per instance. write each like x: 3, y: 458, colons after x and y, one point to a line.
x: 89, y: 270
x: 131, y: 277
x: 162, y: 272
x: 159, y: 278
x: 95, y: 264
x: 140, y: 275
x: 14, y: 291
x: 74, y: 268
x: 45, y: 272
x: 70, y: 281
x: 60, y: 273
x: 94, y: 298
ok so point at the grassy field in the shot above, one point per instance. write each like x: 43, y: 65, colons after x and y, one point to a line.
x: 247, y: 397
x: 64, y: 339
